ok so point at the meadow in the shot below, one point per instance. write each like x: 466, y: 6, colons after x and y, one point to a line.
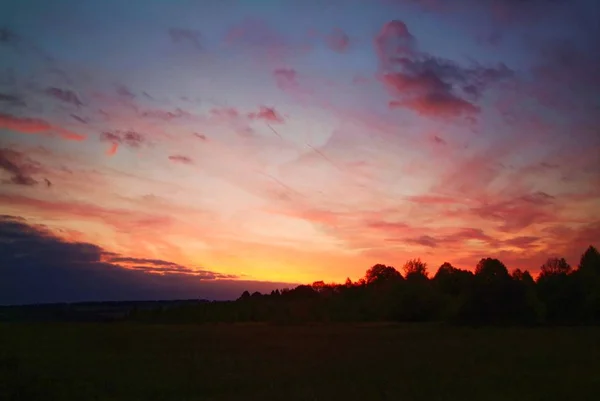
x: 129, y: 361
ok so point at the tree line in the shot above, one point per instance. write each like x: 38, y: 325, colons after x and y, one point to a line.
x: 490, y: 295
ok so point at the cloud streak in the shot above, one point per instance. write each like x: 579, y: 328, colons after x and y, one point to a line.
x: 37, y: 126
x: 19, y: 167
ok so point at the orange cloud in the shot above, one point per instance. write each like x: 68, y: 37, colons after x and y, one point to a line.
x: 113, y: 149
x: 36, y: 126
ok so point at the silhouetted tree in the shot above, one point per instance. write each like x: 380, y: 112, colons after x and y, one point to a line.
x: 560, y: 291
x: 453, y: 286
x: 524, y: 277
x: 588, y: 278
x: 301, y: 292
x: 381, y: 273
x: 590, y: 261
x: 555, y: 266
x: 451, y: 280
x: 417, y: 299
x: 490, y: 295
x: 526, y: 304
x: 489, y: 301
x: 491, y: 270
x: 415, y: 268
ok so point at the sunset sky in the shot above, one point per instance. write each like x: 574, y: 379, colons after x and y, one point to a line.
x: 209, y: 142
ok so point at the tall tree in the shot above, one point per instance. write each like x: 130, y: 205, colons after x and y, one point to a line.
x: 555, y: 266
x: 415, y: 267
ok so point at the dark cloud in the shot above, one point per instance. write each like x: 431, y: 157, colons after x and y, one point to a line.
x: 12, y: 100
x: 538, y: 198
x: 80, y: 119
x: 523, y: 242
x: 455, y: 239
x: 8, y: 36
x: 430, y: 85
x: 123, y: 91
x: 64, y: 95
x: 155, y: 262
x: 424, y: 240
x: 19, y: 167
x: 164, y: 114
x: 200, y: 136
x: 39, y: 267
x: 439, y: 140
x: 181, y: 159
x: 132, y: 139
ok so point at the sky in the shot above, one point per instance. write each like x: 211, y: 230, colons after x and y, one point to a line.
x: 197, y: 148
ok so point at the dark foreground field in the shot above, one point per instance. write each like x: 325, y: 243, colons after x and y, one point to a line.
x: 262, y: 362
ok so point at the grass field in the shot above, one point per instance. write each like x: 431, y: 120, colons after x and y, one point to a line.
x: 329, y: 362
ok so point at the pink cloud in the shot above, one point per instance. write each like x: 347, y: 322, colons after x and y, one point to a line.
x: 394, y: 40
x: 401, y: 83
x: 113, y: 149
x: 36, y: 126
x: 228, y: 112
x: 287, y: 80
x: 266, y: 113
x: 429, y: 85
x: 437, y: 105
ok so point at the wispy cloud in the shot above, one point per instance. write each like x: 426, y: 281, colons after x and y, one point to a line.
x: 64, y: 95
x: 19, y: 167
x: 181, y: 159
x: 36, y: 126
